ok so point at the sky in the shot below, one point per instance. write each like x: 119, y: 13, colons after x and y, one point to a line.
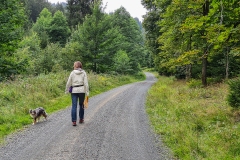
x: 134, y: 7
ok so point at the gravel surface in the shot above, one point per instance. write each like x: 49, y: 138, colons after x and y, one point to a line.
x: 116, y: 127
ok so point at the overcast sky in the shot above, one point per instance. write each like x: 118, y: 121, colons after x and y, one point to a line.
x: 134, y: 7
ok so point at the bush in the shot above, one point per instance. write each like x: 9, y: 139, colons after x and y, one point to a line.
x: 194, y: 83
x: 233, y: 97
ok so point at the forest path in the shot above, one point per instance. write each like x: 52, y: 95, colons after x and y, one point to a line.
x: 116, y: 127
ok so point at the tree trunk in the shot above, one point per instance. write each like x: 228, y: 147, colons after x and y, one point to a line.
x: 189, y: 67
x: 188, y: 72
x: 204, y: 71
x: 227, y: 64
x: 205, y: 55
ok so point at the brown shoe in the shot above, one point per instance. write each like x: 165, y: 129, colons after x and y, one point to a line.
x: 81, y: 120
x: 74, y: 123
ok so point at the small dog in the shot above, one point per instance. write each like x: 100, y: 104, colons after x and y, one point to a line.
x: 37, y: 113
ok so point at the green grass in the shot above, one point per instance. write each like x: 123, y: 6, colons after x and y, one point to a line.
x: 195, y: 123
x: 17, y: 97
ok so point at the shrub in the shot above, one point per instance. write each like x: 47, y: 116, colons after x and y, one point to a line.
x: 193, y: 83
x: 233, y: 97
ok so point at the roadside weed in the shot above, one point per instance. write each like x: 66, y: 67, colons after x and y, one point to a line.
x: 195, y: 123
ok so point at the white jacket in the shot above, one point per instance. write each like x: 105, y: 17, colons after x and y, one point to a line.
x: 78, y: 77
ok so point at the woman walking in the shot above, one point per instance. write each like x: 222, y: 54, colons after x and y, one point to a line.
x: 79, y: 88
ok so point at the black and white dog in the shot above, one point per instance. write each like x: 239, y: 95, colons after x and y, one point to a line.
x: 37, y: 113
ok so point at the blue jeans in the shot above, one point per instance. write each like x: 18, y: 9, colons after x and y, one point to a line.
x: 75, y: 98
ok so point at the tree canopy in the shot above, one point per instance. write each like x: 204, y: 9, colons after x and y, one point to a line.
x: 194, y: 36
x: 12, y: 17
x: 105, y: 43
x: 77, y: 10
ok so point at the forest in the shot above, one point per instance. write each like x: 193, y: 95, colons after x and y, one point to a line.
x: 197, y: 39
x: 185, y: 39
x: 40, y: 37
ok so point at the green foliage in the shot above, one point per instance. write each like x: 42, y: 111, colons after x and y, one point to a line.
x: 133, y: 42
x: 27, y: 53
x: 121, y: 62
x: 59, y: 7
x: 102, y: 36
x: 194, y: 83
x: 98, y: 41
x: 31, y: 41
x: 151, y: 34
x: 95, y: 42
x: 48, y: 58
x: 42, y: 26
x: 77, y: 10
x: 8, y: 68
x: 193, y: 33
x: 12, y: 17
x: 11, y: 22
x: 33, y: 60
x: 59, y: 30
x: 70, y: 53
x: 234, y: 93
x: 43, y: 21
x: 35, y: 7
x: 51, y: 28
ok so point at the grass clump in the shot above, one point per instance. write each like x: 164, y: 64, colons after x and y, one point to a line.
x: 195, y: 122
x: 233, y: 97
x: 47, y: 91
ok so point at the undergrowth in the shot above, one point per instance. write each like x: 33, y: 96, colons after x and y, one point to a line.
x: 195, y: 123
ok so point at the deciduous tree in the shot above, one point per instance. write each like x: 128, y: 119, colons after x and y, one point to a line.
x: 77, y: 10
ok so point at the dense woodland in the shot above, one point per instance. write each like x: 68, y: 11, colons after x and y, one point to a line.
x: 188, y: 39
x: 194, y: 38
x: 40, y: 37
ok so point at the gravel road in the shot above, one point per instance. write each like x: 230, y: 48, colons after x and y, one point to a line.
x: 116, y: 127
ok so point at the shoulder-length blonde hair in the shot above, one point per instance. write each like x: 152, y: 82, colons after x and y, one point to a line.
x: 77, y: 65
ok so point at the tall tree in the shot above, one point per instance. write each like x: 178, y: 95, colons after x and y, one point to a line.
x: 59, y: 30
x: 35, y: 7
x: 42, y: 26
x: 205, y: 12
x: 77, y: 10
x: 12, y: 17
x: 134, y: 42
x: 224, y: 38
x: 98, y: 40
x: 194, y: 31
x: 152, y: 31
x: 59, y: 7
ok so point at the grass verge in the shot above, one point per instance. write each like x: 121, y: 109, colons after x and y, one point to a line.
x: 195, y: 123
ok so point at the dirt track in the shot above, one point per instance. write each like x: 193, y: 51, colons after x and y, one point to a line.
x: 116, y: 127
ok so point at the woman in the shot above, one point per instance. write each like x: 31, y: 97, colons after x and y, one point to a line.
x: 78, y: 80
